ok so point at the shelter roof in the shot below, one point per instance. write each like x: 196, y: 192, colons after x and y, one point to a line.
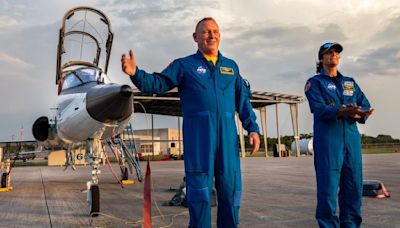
x: 169, y: 102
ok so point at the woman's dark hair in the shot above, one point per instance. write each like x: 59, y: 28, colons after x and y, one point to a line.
x: 319, y: 67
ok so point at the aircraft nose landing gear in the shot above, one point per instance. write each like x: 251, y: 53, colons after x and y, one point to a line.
x: 93, y: 191
x: 93, y: 198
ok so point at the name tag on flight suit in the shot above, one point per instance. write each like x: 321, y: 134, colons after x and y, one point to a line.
x: 348, y: 88
x: 226, y: 70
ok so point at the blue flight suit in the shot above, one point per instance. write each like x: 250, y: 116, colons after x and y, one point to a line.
x: 337, y: 146
x: 209, y: 95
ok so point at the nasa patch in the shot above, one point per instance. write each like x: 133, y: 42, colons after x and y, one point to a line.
x: 201, y: 70
x: 331, y: 86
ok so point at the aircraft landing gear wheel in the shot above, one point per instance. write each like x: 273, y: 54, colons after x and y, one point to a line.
x: 4, y: 180
x: 124, y: 173
x: 94, y: 203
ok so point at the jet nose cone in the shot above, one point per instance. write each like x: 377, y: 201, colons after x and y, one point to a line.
x: 126, y: 91
x: 110, y: 103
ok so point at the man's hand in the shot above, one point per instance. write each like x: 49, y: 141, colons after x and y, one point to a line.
x: 255, y: 141
x: 128, y: 65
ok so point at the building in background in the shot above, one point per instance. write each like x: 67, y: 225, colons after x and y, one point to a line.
x: 165, y: 141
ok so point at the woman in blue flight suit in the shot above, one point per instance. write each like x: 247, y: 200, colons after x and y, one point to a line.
x: 211, y: 90
x: 337, y: 103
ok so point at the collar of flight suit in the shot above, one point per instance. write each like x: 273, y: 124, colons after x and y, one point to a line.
x: 324, y: 74
x: 200, y: 55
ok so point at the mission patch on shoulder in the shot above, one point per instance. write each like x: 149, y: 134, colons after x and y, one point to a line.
x: 307, y: 86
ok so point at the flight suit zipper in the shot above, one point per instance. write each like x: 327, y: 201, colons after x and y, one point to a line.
x: 339, y: 93
x: 212, y: 68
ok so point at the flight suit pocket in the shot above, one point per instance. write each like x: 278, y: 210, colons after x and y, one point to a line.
x: 226, y: 83
x: 237, y: 198
x: 197, y: 187
x: 226, y: 86
x: 229, y: 114
x: 197, y: 195
x: 197, y: 142
x: 229, y: 133
x: 197, y: 82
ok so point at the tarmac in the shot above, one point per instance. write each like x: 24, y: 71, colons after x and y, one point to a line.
x: 277, y: 192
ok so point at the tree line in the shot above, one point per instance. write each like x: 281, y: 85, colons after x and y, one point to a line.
x: 288, y: 139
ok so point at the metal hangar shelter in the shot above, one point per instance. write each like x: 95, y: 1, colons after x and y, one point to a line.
x: 169, y: 104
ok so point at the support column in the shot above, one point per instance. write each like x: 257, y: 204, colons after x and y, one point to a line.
x: 295, y: 125
x: 152, y: 133
x: 241, y: 137
x: 263, y: 115
x: 1, y: 156
x: 179, y: 137
x: 277, y: 131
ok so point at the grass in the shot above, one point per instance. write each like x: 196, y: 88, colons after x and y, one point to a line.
x: 259, y: 154
x: 380, y: 150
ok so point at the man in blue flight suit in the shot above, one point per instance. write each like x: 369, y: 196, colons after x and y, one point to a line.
x: 337, y: 103
x: 211, y: 90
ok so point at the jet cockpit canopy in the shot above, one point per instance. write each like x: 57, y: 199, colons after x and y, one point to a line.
x: 84, y: 47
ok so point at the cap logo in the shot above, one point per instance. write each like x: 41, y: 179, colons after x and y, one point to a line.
x: 327, y: 45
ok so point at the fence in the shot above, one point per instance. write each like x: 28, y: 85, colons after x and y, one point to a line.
x: 381, y: 148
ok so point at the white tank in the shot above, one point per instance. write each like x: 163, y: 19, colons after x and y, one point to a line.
x: 306, y: 146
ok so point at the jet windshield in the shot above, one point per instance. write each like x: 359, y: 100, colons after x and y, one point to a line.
x: 80, y: 76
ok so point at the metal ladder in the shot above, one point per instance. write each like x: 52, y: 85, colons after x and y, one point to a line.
x: 129, y: 152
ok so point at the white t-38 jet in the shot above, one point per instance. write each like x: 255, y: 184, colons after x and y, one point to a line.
x: 90, y: 110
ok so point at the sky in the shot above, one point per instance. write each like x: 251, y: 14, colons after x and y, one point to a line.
x: 275, y: 44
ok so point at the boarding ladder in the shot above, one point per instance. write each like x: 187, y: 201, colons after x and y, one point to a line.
x: 129, y: 152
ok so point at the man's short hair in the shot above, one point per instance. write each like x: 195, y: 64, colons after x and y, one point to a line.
x: 205, y: 19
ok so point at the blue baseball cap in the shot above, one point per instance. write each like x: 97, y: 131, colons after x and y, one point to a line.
x: 327, y: 46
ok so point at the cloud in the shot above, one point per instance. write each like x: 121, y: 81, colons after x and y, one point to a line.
x: 157, y: 32
x: 8, y: 22
x: 390, y: 32
x: 380, y: 61
x: 175, y: 12
x: 10, y: 61
x: 284, y: 39
x: 274, y: 55
x: 380, y: 53
x: 32, y: 48
x: 275, y: 44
